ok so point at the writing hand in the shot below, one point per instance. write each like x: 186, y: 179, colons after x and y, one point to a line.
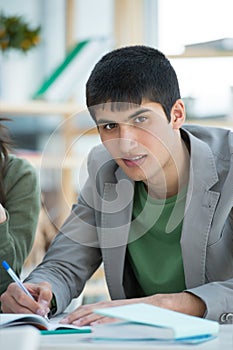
x: 14, y: 300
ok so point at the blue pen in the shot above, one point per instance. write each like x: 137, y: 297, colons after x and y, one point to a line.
x: 17, y: 280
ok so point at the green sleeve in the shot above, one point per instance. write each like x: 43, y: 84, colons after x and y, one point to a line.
x: 22, y: 209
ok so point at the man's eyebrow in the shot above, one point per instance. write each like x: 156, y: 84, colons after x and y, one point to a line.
x: 138, y: 112
x: 105, y: 121
x: 135, y: 114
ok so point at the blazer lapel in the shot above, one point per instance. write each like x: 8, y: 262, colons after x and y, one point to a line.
x: 225, y: 201
x: 200, y: 207
x: 116, y: 219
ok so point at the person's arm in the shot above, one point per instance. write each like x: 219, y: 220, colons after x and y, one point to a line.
x: 21, y: 208
x: 73, y: 256
x: 71, y: 259
x: 218, y: 297
x: 182, y: 302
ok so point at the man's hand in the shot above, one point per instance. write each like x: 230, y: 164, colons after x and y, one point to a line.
x: 84, y: 315
x: 182, y: 302
x: 14, y: 300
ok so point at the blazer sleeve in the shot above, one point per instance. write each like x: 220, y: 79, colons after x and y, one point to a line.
x: 74, y: 254
x: 218, y: 297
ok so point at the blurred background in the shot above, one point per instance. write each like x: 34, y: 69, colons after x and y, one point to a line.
x: 48, y: 49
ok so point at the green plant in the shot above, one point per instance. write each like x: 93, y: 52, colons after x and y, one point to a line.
x: 15, y: 33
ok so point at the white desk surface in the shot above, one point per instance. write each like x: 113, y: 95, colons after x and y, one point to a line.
x: 76, y: 341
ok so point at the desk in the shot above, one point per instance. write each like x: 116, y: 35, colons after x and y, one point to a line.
x: 75, y: 341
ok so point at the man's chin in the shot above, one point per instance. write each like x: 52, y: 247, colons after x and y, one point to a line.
x: 135, y: 177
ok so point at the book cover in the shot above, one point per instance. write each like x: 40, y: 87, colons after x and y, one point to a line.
x: 148, y: 322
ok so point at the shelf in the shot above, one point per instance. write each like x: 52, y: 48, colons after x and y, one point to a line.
x: 213, y: 48
x: 66, y: 166
x: 203, y: 54
x: 39, y: 107
x: 52, y: 162
x: 226, y: 122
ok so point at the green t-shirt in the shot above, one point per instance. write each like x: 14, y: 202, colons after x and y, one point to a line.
x: 154, y: 245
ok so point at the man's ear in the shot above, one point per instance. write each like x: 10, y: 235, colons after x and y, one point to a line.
x: 178, y: 114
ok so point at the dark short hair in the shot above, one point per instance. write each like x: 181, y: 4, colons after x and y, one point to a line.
x: 131, y: 74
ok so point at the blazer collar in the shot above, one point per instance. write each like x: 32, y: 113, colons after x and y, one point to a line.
x: 202, y: 162
x: 200, y: 207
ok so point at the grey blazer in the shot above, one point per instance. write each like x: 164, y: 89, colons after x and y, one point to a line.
x: 97, y: 229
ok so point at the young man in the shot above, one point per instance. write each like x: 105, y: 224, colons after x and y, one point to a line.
x: 156, y: 208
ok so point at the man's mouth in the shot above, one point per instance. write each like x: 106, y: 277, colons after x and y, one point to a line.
x: 134, y: 161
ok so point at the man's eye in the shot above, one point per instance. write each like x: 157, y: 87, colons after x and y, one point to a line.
x: 140, y: 119
x: 110, y: 126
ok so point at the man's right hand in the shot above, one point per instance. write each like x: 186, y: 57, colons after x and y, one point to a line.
x: 15, y: 300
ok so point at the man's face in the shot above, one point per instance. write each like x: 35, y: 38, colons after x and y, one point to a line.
x: 139, y: 138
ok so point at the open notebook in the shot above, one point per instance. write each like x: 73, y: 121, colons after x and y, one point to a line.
x: 10, y: 320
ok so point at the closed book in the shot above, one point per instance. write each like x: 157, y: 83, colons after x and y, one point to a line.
x: 147, y: 322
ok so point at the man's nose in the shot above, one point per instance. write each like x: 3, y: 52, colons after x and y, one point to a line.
x: 127, y: 139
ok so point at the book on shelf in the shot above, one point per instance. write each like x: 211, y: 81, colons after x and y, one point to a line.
x: 150, y: 323
x: 39, y: 322
x: 222, y: 44
x: 71, y: 74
